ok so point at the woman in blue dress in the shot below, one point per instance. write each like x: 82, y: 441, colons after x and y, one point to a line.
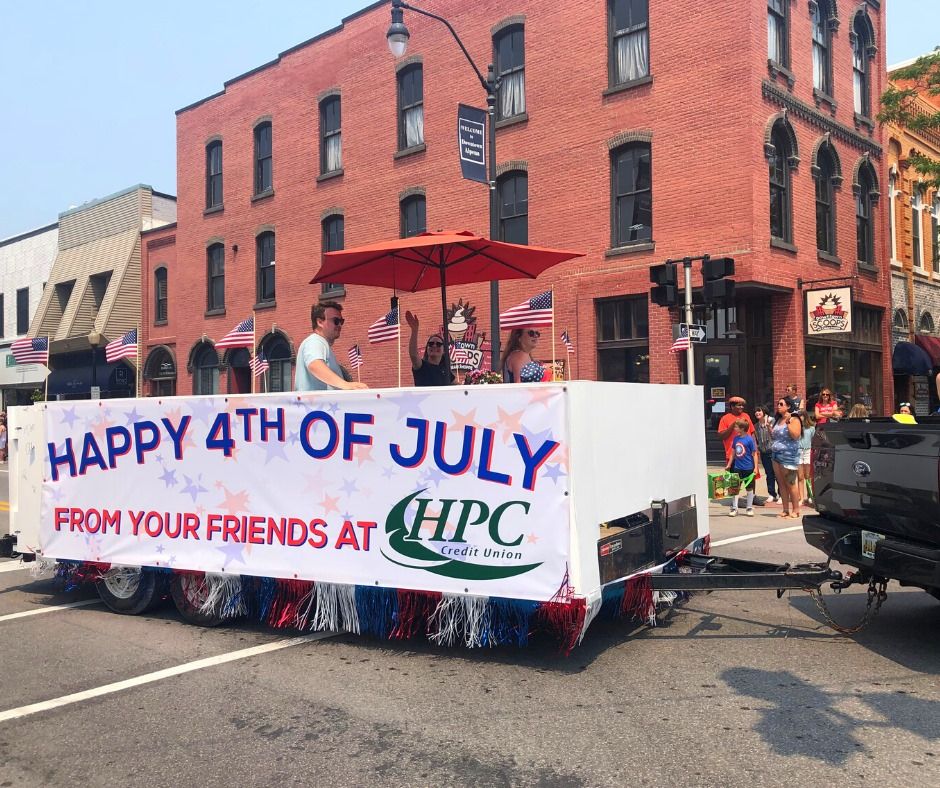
x: 517, y: 363
x: 786, y: 434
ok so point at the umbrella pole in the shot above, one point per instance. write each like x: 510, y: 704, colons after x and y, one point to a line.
x: 553, y: 332
x: 446, y: 330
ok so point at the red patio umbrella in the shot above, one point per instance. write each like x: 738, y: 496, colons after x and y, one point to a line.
x: 436, y: 260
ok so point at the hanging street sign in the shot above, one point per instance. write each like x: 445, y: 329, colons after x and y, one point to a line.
x: 471, y: 139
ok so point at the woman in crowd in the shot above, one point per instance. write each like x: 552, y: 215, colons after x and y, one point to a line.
x: 826, y: 408
x: 859, y: 411
x: 762, y: 427
x: 429, y: 369
x: 806, y: 453
x: 786, y: 433
x: 517, y: 363
x: 905, y: 407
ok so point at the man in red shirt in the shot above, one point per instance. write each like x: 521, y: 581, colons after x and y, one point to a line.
x: 726, y: 425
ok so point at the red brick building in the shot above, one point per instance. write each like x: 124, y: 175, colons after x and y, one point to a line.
x: 632, y: 130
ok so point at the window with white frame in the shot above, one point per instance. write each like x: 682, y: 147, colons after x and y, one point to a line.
x: 628, y: 40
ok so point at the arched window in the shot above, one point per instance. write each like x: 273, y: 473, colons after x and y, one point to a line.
x: 779, y: 156
x: 861, y: 41
x: 331, y: 137
x: 159, y: 296
x: 214, y: 174
x: 822, y: 46
x: 628, y: 41
x: 264, y: 253
x: 509, y: 60
x: 264, y: 158
x: 215, y: 275
x: 778, y: 40
x: 926, y: 323
x: 334, y: 240
x: 631, y: 194
x: 865, y: 199
x: 280, y: 373
x: 513, y: 193
x: 823, y: 174
x: 917, y: 223
x: 160, y: 371
x: 410, y: 106
x: 413, y: 215
x: 900, y: 323
x: 206, y: 370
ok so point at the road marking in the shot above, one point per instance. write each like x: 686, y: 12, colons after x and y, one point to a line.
x: 12, y: 566
x: 159, y: 675
x: 38, y: 610
x: 745, y: 537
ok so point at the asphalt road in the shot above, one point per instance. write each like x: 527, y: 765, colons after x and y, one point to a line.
x: 732, y: 689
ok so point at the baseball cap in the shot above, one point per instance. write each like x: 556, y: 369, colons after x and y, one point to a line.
x: 737, y: 401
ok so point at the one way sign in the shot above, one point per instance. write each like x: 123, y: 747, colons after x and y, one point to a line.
x: 694, y: 331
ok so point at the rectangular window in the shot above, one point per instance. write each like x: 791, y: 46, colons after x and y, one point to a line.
x: 22, y: 310
x: 917, y: 247
x: 215, y: 258
x: 334, y: 239
x: 628, y: 40
x: 264, y: 159
x: 331, y: 138
x: 509, y: 57
x: 265, y: 254
x: 623, y: 339
x: 513, y: 192
x: 410, y: 107
x: 214, y: 175
x: 99, y: 288
x: 632, y: 195
x: 777, y: 32
x: 413, y: 216
x: 820, y: 50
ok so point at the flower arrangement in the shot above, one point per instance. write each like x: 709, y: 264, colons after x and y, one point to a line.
x: 482, y: 377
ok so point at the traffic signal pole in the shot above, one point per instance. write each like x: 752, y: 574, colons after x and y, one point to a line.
x: 689, y: 353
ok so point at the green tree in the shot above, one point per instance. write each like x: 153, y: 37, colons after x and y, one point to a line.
x: 899, y: 106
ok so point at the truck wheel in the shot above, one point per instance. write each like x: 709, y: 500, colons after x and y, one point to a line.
x: 129, y: 590
x: 189, y: 591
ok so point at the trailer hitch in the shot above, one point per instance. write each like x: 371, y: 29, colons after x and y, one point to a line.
x: 713, y: 573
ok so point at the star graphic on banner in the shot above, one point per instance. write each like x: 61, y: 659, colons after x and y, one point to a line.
x: 234, y: 502
x: 293, y: 437
x: 532, y: 539
x: 203, y: 409
x: 174, y: 415
x: 462, y: 420
x: 132, y: 417
x: 160, y: 459
x: 363, y: 454
x: 314, y: 482
x: 409, y: 405
x: 171, y: 560
x: 332, y: 407
x: 69, y: 417
x: 328, y: 504
x: 233, y: 454
x: 99, y: 426
x: 56, y: 494
x: 347, y: 516
x: 233, y: 554
x: 560, y: 455
x: 274, y: 450
x: 536, y: 439
x: 161, y: 548
x: 188, y: 443
x: 553, y: 472
x: 200, y: 510
x: 169, y: 478
x: 349, y: 486
x: 388, y: 472
x: 508, y: 423
x: 542, y: 395
x: 433, y: 475
x: 193, y: 487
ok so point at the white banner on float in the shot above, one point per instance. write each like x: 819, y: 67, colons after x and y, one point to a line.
x: 461, y: 490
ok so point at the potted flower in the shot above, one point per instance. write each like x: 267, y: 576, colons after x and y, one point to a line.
x: 482, y: 377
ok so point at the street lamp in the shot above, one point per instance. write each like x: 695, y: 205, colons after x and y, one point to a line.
x: 94, y: 339
x: 398, y: 37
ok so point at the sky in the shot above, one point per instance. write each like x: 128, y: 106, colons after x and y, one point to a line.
x: 89, y: 88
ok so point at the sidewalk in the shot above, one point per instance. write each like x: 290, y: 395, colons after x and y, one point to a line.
x: 763, y: 506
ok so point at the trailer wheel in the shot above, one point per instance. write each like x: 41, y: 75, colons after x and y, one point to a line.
x: 189, y: 591
x: 129, y: 590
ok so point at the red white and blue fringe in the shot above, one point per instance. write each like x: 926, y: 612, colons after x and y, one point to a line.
x: 399, y: 614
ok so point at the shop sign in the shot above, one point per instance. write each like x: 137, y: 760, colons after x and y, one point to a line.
x: 921, y: 396
x: 829, y: 311
x: 471, y: 138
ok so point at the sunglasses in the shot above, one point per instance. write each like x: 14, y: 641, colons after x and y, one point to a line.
x: 905, y: 405
x: 534, y: 334
x: 435, y: 344
x: 825, y: 394
x: 338, y: 321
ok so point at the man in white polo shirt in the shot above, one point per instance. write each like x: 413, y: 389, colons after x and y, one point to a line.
x: 317, y: 367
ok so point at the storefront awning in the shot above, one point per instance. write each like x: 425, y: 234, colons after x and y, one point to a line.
x: 931, y: 345
x: 909, y: 359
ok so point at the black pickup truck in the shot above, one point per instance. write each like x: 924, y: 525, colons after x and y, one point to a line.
x: 877, y: 490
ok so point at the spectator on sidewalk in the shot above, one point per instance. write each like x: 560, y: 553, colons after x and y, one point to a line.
x: 726, y: 425
x: 744, y: 463
x: 763, y: 424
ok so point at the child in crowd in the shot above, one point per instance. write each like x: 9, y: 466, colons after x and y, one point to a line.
x: 806, y: 457
x: 744, y: 463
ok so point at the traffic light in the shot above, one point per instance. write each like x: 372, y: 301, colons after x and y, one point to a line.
x: 718, y: 290
x: 667, y: 291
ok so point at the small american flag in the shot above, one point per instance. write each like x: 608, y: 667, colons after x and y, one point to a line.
x: 31, y: 351
x: 123, y: 347
x: 243, y: 335
x: 536, y: 311
x: 385, y: 328
x: 259, y: 365
x: 566, y: 339
x: 355, y: 357
x: 682, y: 343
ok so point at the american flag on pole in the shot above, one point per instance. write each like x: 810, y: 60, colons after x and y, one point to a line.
x: 566, y: 339
x: 259, y: 365
x: 682, y: 343
x: 243, y: 335
x: 355, y: 357
x: 385, y: 328
x: 536, y: 311
x: 122, y: 347
x: 31, y: 351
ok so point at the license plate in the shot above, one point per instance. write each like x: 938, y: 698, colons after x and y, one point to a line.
x: 869, y: 540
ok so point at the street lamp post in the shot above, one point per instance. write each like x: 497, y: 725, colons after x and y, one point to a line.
x: 398, y: 37
x: 94, y: 339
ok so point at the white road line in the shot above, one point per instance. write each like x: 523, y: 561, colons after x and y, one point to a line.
x: 159, y: 675
x: 12, y: 566
x: 745, y: 537
x: 52, y: 609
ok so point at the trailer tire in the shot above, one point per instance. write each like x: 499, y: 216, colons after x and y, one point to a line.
x: 188, y: 594
x: 129, y: 590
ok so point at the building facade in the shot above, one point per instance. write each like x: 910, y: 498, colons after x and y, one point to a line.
x: 633, y: 136
x: 914, y: 244
x: 93, y: 292
x: 25, y: 262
